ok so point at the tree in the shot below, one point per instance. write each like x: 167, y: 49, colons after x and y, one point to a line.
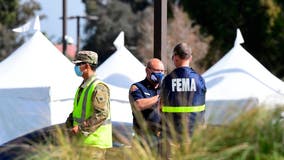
x: 136, y: 19
x: 12, y: 14
x: 114, y: 17
x: 261, y: 22
x: 180, y: 29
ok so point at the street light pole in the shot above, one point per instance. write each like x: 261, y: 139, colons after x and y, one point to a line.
x: 78, y: 33
x: 64, y: 27
x: 78, y: 26
x: 160, y: 30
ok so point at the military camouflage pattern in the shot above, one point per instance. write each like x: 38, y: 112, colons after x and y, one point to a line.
x: 100, y: 101
x: 101, y: 97
x: 87, y: 57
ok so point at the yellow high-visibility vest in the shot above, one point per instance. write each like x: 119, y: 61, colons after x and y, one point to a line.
x: 102, y: 137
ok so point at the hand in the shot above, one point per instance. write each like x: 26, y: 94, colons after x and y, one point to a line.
x: 85, y: 124
x: 75, y: 129
x: 157, y: 99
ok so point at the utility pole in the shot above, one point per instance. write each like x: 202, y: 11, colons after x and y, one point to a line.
x: 64, y: 28
x: 78, y: 26
x: 160, y: 30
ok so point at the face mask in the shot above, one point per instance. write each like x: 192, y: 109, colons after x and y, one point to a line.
x: 78, y: 71
x: 157, y: 77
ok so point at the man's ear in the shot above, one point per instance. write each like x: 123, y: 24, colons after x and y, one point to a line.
x: 175, y: 59
x: 147, y: 70
x: 190, y: 58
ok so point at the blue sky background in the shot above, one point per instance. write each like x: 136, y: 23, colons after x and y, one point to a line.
x: 52, y: 24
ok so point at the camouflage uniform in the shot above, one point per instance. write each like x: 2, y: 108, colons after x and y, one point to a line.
x: 97, y: 112
x: 87, y: 57
x: 100, y: 105
x: 100, y: 96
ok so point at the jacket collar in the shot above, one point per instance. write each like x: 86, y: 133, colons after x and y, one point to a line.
x: 88, y: 81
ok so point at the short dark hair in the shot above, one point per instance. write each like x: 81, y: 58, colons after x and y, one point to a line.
x: 93, y: 66
x: 183, y: 50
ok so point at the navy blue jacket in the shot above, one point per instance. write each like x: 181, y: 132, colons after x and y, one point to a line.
x: 183, y: 87
x: 150, y: 115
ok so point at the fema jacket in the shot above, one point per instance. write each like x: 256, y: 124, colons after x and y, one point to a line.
x: 183, y: 91
x: 150, y: 115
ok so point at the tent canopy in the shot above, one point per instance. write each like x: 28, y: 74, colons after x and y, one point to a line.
x: 238, y: 77
x: 38, y: 63
x: 37, y: 87
x: 119, y: 71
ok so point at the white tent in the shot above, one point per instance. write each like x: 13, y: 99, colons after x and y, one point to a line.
x: 238, y: 82
x: 37, y: 87
x: 119, y: 71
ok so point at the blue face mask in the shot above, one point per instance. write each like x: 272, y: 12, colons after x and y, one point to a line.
x: 78, y: 71
x: 157, y: 77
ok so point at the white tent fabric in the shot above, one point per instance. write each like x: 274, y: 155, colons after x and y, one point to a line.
x: 31, y: 25
x: 238, y: 82
x: 119, y: 71
x: 37, y: 87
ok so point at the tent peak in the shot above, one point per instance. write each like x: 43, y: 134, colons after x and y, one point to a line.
x: 239, y: 38
x: 32, y: 25
x: 119, y: 41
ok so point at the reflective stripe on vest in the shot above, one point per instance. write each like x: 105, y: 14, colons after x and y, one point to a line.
x: 83, y: 114
x: 102, y: 136
x: 183, y: 109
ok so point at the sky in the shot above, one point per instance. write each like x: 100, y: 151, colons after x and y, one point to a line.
x: 52, y: 24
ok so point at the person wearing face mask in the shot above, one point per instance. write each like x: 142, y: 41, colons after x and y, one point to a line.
x: 90, y: 118
x: 144, y: 99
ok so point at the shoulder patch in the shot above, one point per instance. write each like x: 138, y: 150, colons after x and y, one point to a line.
x: 101, y: 96
x: 133, y: 88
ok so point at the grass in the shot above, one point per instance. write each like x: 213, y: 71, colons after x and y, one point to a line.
x: 256, y: 135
